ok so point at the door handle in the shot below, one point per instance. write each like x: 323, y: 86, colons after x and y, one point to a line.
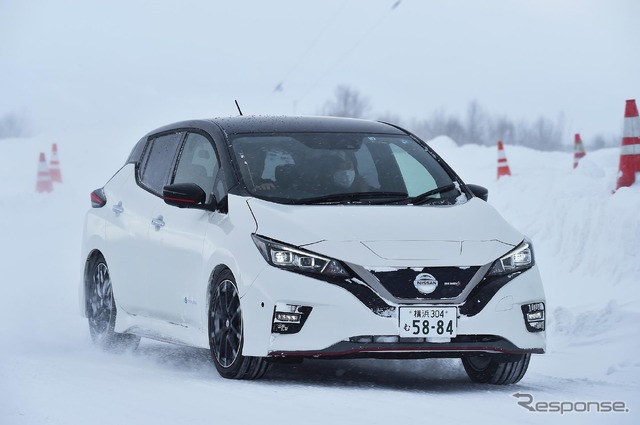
x: 118, y: 208
x: 158, y: 222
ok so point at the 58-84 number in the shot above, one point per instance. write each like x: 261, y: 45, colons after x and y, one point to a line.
x: 426, y: 327
x: 428, y: 322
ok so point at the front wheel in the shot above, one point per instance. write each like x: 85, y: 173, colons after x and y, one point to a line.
x: 497, y: 369
x: 226, y: 335
x: 101, y: 309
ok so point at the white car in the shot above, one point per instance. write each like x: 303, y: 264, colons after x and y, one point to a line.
x: 272, y: 239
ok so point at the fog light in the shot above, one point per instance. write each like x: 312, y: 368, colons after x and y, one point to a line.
x: 280, y: 327
x: 539, y: 326
x: 289, y: 318
x: 534, y: 316
x: 538, y: 315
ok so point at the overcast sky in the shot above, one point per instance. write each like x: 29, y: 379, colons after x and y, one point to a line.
x: 140, y: 64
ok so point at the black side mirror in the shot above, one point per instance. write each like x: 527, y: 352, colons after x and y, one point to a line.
x: 186, y: 195
x: 479, y: 191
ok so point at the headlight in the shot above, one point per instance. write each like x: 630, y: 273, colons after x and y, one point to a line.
x: 296, y: 260
x: 519, y: 259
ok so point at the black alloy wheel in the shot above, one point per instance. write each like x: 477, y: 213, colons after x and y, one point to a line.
x: 226, y: 332
x: 101, y: 309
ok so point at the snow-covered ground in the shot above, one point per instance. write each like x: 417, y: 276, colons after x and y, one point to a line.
x: 587, y: 243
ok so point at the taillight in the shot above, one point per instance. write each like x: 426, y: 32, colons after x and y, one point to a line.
x: 98, y: 198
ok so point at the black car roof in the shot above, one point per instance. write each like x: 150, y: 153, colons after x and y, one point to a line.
x: 267, y: 124
x: 276, y: 124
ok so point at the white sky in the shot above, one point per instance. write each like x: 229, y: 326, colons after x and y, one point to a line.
x: 131, y: 63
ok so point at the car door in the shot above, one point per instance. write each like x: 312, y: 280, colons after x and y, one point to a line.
x: 177, y: 239
x: 127, y: 230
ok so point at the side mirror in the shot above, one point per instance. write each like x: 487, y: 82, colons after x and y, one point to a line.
x: 479, y: 191
x: 185, y: 195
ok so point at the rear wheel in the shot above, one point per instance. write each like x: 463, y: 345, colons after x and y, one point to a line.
x: 101, y: 309
x: 226, y: 335
x: 498, y: 369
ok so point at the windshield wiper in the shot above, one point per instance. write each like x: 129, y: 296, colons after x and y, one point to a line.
x: 424, y: 197
x: 338, y: 198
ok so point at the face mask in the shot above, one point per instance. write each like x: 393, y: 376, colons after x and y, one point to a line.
x: 344, y: 178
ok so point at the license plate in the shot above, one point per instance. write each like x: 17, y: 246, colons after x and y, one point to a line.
x: 430, y: 322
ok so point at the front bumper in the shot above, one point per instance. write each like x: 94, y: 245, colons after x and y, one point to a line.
x: 406, y: 349
x: 341, y: 324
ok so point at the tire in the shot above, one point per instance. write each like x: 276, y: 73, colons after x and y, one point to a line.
x: 497, y: 369
x: 226, y: 336
x: 101, y: 309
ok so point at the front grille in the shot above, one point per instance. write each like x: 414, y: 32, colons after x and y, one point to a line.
x: 449, y: 282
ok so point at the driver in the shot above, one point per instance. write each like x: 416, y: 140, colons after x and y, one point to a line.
x: 345, y: 178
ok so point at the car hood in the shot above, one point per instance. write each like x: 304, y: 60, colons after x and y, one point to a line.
x: 467, y: 234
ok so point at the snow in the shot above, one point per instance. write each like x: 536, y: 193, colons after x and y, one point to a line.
x: 586, y: 240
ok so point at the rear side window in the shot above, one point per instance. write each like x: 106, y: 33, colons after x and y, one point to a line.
x: 157, y: 160
x: 136, y: 153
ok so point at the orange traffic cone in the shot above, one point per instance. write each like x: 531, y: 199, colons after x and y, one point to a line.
x: 578, y: 150
x: 54, y: 165
x: 630, y: 149
x: 503, y: 167
x: 43, y: 183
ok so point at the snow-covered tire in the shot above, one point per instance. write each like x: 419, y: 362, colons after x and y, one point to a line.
x: 226, y: 335
x: 101, y: 309
x: 497, y: 369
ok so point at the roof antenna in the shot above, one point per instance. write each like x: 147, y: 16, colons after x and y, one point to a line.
x: 238, y: 106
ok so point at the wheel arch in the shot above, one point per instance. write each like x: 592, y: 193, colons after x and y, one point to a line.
x: 213, y: 276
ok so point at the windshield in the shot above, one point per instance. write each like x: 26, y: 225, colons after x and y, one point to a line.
x: 307, y: 168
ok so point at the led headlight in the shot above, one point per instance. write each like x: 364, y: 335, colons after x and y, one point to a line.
x: 297, y: 260
x: 519, y: 259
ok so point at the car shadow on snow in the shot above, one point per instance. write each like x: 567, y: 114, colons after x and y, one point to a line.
x: 427, y: 375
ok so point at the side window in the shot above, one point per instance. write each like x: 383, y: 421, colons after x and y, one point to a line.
x: 157, y: 160
x: 198, y: 163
